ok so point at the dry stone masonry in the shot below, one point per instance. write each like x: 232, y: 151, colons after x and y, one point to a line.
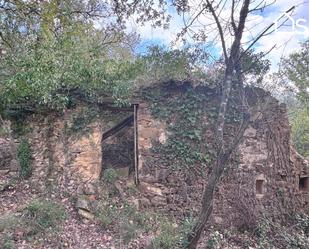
x: 266, y: 175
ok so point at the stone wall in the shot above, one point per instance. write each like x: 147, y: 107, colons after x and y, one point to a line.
x: 263, y: 176
x: 8, y: 157
x: 64, y: 156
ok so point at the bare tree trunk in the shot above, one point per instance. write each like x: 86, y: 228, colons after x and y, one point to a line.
x: 221, y: 164
x: 223, y: 155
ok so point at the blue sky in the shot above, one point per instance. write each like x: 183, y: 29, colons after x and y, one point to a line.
x: 286, y: 40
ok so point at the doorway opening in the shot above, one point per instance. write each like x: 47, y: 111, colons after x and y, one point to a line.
x: 119, y: 146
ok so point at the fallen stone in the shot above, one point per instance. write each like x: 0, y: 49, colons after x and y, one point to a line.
x: 86, y: 214
x: 80, y: 190
x: 150, y: 189
x: 144, y: 203
x: 4, y: 171
x: 90, y: 189
x: 158, y: 201
x: 82, y: 203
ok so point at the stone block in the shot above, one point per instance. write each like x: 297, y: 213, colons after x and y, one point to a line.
x: 82, y: 203
x: 86, y: 214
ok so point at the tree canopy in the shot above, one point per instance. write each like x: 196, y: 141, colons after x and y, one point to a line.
x: 52, y: 50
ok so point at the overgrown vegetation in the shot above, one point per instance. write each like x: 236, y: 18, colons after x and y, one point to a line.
x: 172, y: 235
x: 294, y: 69
x: 274, y: 235
x: 299, y: 119
x: 162, y: 64
x: 184, y: 116
x: 131, y: 223
x: 43, y: 214
x: 24, y: 158
x: 57, y: 57
x: 38, y: 217
x: 110, y: 175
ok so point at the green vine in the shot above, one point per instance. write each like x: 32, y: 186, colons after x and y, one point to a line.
x: 24, y: 158
x: 184, y: 115
x: 79, y: 121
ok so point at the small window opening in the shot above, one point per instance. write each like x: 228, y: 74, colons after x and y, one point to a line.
x: 304, y: 183
x: 259, y: 187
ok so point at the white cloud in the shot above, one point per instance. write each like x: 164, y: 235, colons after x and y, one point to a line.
x: 285, y: 40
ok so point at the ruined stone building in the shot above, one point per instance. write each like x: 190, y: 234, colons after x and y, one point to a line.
x: 164, y: 140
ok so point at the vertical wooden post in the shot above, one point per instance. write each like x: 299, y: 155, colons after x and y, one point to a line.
x: 136, y: 180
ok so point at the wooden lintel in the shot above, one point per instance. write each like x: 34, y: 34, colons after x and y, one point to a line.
x: 126, y: 122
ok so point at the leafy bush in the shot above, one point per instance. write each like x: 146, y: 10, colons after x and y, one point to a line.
x: 50, y: 73
x: 300, y: 129
x: 110, y: 175
x: 125, y: 219
x: 36, y: 218
x: 168, y: 237
x: 214, y: 240
x: 40, y: 215
x: 161, y: 64
x: 8, y: 243
x: 291, y: 236
x: 106, y: 216
x: 24, y: 158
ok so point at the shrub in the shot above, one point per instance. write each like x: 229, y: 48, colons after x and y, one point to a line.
x: 8, y: 243
x: 24, y: 158
x: 214, y: 240
x: 125, y: 219
x: 40, y: 215
x: 106, y: 215
x: 167, y: 238
x: 110, y: 175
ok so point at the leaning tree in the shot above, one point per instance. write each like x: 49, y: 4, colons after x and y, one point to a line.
x: 223, y: 24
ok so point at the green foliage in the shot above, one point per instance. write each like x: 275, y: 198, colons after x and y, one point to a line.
x: 295, y: 69
x: 8, y: 243
x: 183, y: 115
x: 38, y: 217
x: 43, y: 214
x: 24, y: 158
x: 50, y: 74
x: 299, y: 119
x: 167, y: 238
x: 171, y: 235
x: 274, y: 235
x: 110, y: 175
x: 160, y: 64
x: 129, y: 223
x: 126, y: 219
x: 56, y: 54
x: 185, y: 228
x: 214, y: 240
x: 106, y: 215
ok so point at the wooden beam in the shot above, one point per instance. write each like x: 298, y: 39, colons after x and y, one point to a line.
x: 135, y: 124
x: 126, y: 122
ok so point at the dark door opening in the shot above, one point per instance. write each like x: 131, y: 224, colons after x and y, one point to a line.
x: 259, y: 187
x: 119, y: 146
x: 304, y: 183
